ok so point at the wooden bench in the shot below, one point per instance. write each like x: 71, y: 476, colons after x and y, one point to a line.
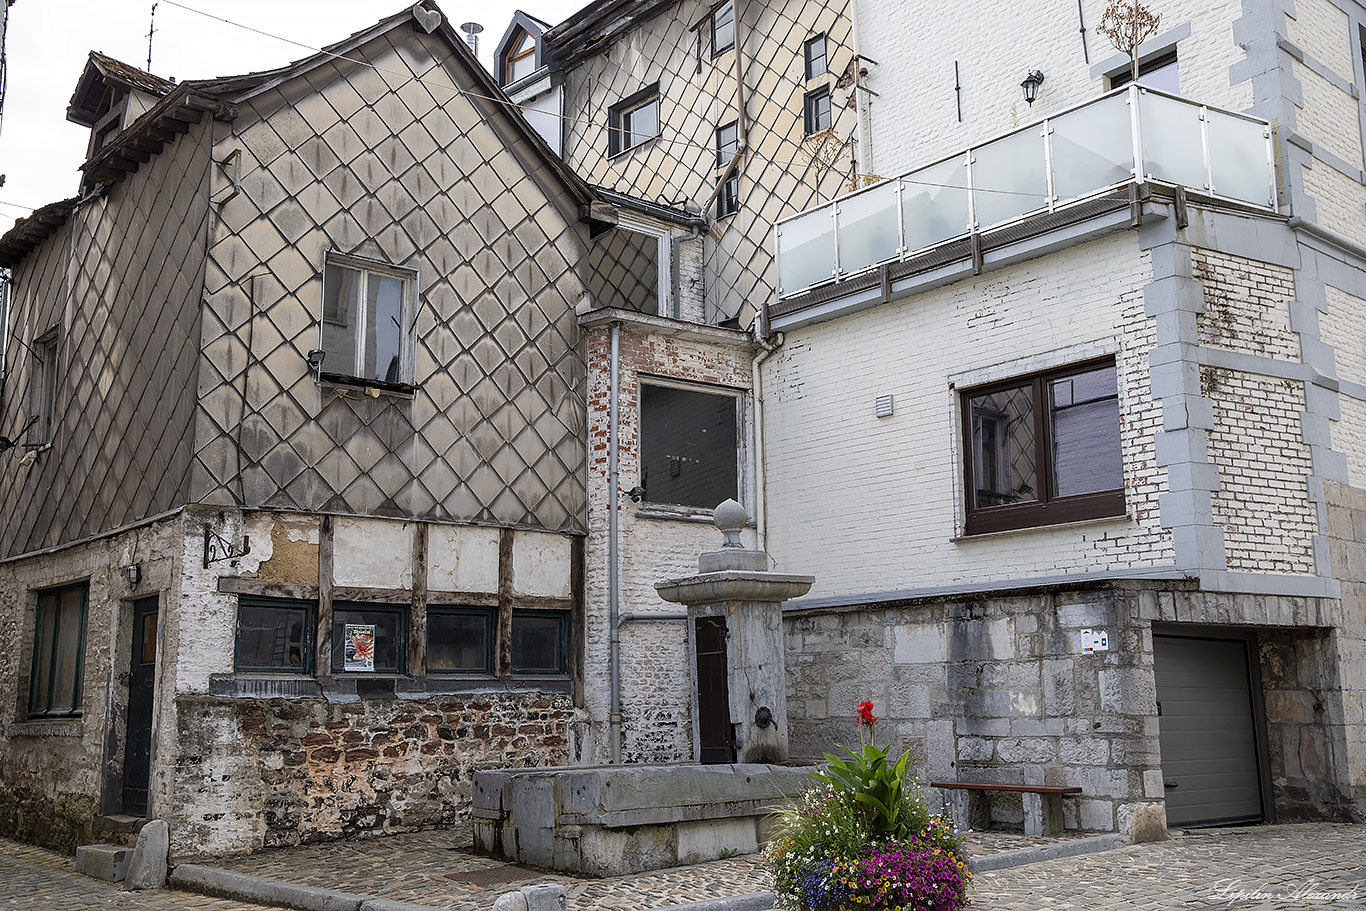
x: 1042, y: 805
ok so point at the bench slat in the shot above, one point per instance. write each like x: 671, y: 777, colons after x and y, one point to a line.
x: 983, y: 786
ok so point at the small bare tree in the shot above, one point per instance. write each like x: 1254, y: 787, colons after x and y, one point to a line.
x: 1128, y: 23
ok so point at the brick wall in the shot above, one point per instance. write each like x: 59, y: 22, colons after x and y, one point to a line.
x: 1263, y: 501
x: 656, y: 682
x: 1328, y: 115
x: 871, y: 504
x: 1322, y: 30
x: 1247, y: 305
x: 1341, y: 327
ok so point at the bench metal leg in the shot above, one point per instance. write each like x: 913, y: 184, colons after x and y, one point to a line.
x: 971, y: 810
x: 1042, y: 814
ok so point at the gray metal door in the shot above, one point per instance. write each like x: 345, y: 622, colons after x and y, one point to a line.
x: 1208, y: 733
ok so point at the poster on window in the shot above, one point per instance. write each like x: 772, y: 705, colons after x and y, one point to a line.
x: 360, y: 647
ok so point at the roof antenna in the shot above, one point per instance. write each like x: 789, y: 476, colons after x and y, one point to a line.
x: 472, y: 30
x: 151, y: 30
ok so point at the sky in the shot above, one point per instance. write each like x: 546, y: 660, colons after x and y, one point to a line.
x: 47, y: 43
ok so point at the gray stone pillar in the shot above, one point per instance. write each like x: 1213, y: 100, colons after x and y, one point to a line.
x: 735, y: 583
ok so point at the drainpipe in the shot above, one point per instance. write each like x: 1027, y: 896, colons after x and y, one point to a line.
x: 613, y: 583
x: 865, y: 142
x: 741, y: 124
x: 770, y: 345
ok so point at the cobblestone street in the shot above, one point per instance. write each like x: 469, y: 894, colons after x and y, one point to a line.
x: 1301, y: 867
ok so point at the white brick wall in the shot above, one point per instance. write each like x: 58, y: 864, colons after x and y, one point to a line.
x: 1329, y: 116
x: 1343, y: 327
x: 1339, y: 201
x: 870, y: 504
x: 1247, y: 305
x: 1263, y: 499
x: 1322, y: 31
x: 995, y: 44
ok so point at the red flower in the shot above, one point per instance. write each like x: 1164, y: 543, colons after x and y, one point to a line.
x: 865, y: 714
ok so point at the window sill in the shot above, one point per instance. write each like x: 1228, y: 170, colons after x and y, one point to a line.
x: 674, y: 513
x: 1124, y: 518
x: 371, y: 387
x: 47, y: 727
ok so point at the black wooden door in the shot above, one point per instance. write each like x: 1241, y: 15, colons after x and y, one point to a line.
x: 713, y: 696
x: 137, y: 753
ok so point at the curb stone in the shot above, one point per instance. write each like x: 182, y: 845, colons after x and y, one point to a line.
x: 753, y: 901
x: 240, y: 887
x: 1006, y: 859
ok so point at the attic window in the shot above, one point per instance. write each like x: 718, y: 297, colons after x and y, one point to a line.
x: 521, y: 59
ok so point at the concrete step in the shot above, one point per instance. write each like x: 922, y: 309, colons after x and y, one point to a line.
x: 106, y: 862
x: 119, y: 829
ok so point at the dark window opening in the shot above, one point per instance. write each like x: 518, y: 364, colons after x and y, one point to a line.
x: 634, y: 121
x: 688, y: 447
x: 42, y: 390
x: 1044, y: 449
x: 813, y: 53
x: 58, y: 652
x: 1161, y: 73
x: 460, y: 640
x: 275, y: 634
x: 723, y: 28
x: 816, y: 111
x: 727, y: 144
x: 540, y: 642
x: 368, y: 638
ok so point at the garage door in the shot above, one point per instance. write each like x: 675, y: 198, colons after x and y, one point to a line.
x: 1208, y: 733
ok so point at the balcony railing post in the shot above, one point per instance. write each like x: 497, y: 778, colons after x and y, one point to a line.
x: 1271, y: 170
x: 1048, y: 163
x: 1136, y: 128
x: 901, y: 218
x: 1204, y: 148
x: 835, y: 220
x: 972, y: 194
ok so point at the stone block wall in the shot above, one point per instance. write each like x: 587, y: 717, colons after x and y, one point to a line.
x: 262, y: 773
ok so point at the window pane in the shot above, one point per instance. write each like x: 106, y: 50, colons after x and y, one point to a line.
x: 521, y: 67
x: 815, y: 57
x: 688, y: 447
x: 1085, y: 421
x: 1003, y: 469
x: 386, y: 643
x: 42, y: 652
x: 458, y: 641
x: 66, y: 683
x: 641, y: 123
x: 271, y: 637
x: 383, y: 328
x: 538, y: 642
x: 723, y: 28
x: 341, y: 296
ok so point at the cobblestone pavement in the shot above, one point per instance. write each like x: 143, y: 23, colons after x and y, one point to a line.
x: 1266, y: 868
x: 32, y: 879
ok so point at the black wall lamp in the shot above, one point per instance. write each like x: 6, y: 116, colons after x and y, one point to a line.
x: 1031, y: 86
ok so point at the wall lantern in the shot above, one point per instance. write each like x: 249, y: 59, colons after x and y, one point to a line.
x: 1031, y: 86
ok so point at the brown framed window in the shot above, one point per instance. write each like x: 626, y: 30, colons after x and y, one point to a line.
x: 1043, y: 449
x: 521, y: 59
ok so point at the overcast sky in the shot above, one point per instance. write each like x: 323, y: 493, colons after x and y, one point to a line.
x: 47, y: 43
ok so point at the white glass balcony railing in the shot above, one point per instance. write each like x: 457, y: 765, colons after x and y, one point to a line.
x: 1079, y: 153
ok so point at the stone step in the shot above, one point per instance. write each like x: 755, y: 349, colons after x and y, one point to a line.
x: 106, y: 862
x: 120, y: 829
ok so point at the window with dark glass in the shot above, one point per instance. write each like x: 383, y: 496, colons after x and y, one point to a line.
x: 688, y: 446
x: 813, y: 51
x: 540, y: 642
x: 42, y: 389
x: 1043, y: 449
x: 816, y: 110
x: 723, y: 28
x: 634, y: 121
x: 521, y: 59
x: 460, y: 640
x: 275, y: 634
x: 368, y: 638
x: 727, y: 143
x: 1161, y: 73
x: 58, y: 652
x: 367, y: 320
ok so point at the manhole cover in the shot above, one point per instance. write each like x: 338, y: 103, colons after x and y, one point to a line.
x: 492, y: 876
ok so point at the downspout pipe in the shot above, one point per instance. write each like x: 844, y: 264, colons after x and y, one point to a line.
x: 613, y: 556
x: 865, y: 141
x: 769, y: 346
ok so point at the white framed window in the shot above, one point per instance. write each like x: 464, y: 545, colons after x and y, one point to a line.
x: 634, y: 121
x: 366, y: 327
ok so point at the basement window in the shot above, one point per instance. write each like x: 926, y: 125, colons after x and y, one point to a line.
x: 1043, y: 449
x: 366, y: 330
x: 460, y: 640
x: 274, y: 635
x: 689, y: 450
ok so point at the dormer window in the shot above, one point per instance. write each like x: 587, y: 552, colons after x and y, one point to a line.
x: 521, y: 59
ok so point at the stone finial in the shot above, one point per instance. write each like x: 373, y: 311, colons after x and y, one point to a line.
x: 730, y: 517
